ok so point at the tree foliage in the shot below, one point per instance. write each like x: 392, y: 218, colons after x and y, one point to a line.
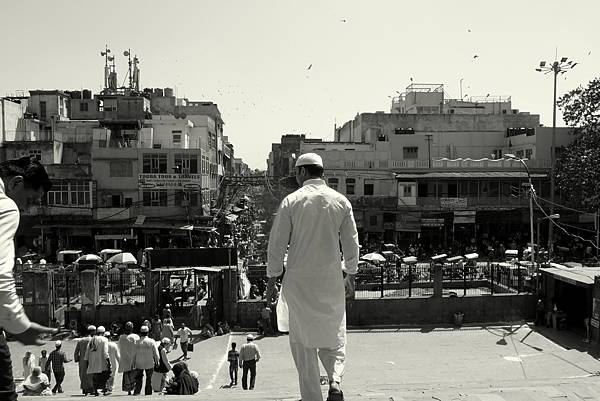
x: 577, y: 171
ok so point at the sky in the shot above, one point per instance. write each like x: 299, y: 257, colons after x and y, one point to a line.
x: 279, y: 67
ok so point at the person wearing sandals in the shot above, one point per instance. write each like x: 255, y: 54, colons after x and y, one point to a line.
x: 313, y: 222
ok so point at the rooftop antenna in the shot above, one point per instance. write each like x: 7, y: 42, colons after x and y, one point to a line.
x: 127, y: 53
x: 106, y: 56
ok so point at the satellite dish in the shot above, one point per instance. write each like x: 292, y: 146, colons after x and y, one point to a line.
x: 111, y: 58
x: 126, y: 53
x: 103, y: 53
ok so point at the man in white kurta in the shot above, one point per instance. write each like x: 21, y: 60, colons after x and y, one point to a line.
x: 313, y: 221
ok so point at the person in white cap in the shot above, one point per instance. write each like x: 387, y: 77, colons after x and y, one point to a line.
x: 85, y: 379
x: 249, y: 356
x: 56, y: 360
x: 146, y: 358
x: 98, y: 361
x: 314, y: 221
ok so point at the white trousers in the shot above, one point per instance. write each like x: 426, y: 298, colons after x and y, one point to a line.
x: 307, y: 364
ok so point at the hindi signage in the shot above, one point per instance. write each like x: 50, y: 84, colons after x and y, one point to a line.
x: 453, y: 203
x: 170, y: 181
x: 432, y: 222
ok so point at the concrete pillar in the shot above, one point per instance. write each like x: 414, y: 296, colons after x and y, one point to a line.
x: 230, y: 297
x: 437, y: 280
x: 90, y: 288
x: 37, y: 296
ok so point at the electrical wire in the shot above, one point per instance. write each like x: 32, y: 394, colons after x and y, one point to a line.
x: 565, y: 207
x: 535, y: 200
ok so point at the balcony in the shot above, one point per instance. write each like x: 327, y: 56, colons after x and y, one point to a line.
x: 49, y: 210
x: 479, y: 203
x: 112, y: 213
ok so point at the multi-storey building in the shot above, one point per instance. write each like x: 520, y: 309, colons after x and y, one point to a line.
x: 433, y: 169
x: 129, y: 169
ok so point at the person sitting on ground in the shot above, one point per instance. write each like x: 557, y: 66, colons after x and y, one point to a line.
x: 182, y: 383
x: 36, y: 383
x: 207, y: 331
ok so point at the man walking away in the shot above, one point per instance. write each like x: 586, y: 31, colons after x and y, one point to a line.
x: 114, y: 356
x: 265, y: 314
x: 98, y: 361
x: 57, y: 359
x: 85, y: 379
x: 234, y: 358
x: 127, y: 347
x: 314, y: 221
x: 146, y: 357
x: 249, y: 356
x: 185, y: 336
x: 23, y: 182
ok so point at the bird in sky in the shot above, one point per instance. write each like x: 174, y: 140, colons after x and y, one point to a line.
x: 590, y: 52
x: 343, y: 20
x: 468, y: 30
x: 475, y: 56
x: 309, y: 67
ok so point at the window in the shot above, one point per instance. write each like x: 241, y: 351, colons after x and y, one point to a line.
x: 83, y: 106
x: 188, y: 164
x: 408, y: 191
x: 411, y: 152
x: 520, y: 154
x: 350, y: 183
x: 404, y: 131
x: 368, y: 188
x: 42, y: 109
x: 154, y: 163
x: 121, y: 169
x: 373, y: 220
x: 154, y: 198
x: 530, y: 131
x: 35, y: 153
x: 333, y: 183
x: 528, y: 153
x: 102, y: 143
x: 75, y: 193
x: 128, y: 202
x: 176, y: 137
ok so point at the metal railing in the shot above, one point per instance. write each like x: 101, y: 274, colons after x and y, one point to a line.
x: 399, y: 280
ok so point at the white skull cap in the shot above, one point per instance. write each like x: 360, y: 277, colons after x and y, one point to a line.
x: 308, y: 159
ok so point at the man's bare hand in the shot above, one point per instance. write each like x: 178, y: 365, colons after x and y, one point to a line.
x: 349, y: 286
x: 272, y: 290
x: 31, y: 336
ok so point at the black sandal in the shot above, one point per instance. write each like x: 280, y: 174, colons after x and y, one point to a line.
x: 335, y: 395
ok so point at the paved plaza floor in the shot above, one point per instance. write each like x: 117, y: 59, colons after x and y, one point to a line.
x: 475, y: 363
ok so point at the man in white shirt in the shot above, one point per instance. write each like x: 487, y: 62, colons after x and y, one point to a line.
x: 145, y: 359
x: 185, y: 335
x: 314, y: 221
x: 22, y: 182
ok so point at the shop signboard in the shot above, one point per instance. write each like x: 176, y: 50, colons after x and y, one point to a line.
x: 426, y: 222
x: 453, y: 203
x: 170, y: 181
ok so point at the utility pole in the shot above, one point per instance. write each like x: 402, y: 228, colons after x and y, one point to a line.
x: 555, y: 68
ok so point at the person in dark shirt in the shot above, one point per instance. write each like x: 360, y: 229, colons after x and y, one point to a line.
x: 57, y: 359
x: 234, y: 358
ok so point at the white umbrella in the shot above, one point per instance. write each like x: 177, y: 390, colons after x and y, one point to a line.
x: 373, y: 257
x: 124, y: 258
x: 90, y: 258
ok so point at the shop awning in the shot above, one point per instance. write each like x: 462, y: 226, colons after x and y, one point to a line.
x: 579, y: 276
x: 469, y: 174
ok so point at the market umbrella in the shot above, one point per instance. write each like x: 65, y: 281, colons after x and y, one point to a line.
x: 373, y: 257
x: 124, y: 258
x: 88, y: 259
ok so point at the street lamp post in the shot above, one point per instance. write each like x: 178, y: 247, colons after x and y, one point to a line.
x: 556, y: 67
x: 510, y: 156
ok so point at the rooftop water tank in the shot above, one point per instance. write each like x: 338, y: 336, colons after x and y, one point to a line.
x: 168, y: 92
x: 87, y: 94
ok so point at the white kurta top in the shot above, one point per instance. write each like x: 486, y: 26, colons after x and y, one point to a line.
x: 314, y: 220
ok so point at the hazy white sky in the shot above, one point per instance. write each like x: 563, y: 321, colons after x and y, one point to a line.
x: 252, y: 57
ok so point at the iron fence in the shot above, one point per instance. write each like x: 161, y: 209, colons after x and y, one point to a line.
x: 122, y: 286
x: 401, y: 280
